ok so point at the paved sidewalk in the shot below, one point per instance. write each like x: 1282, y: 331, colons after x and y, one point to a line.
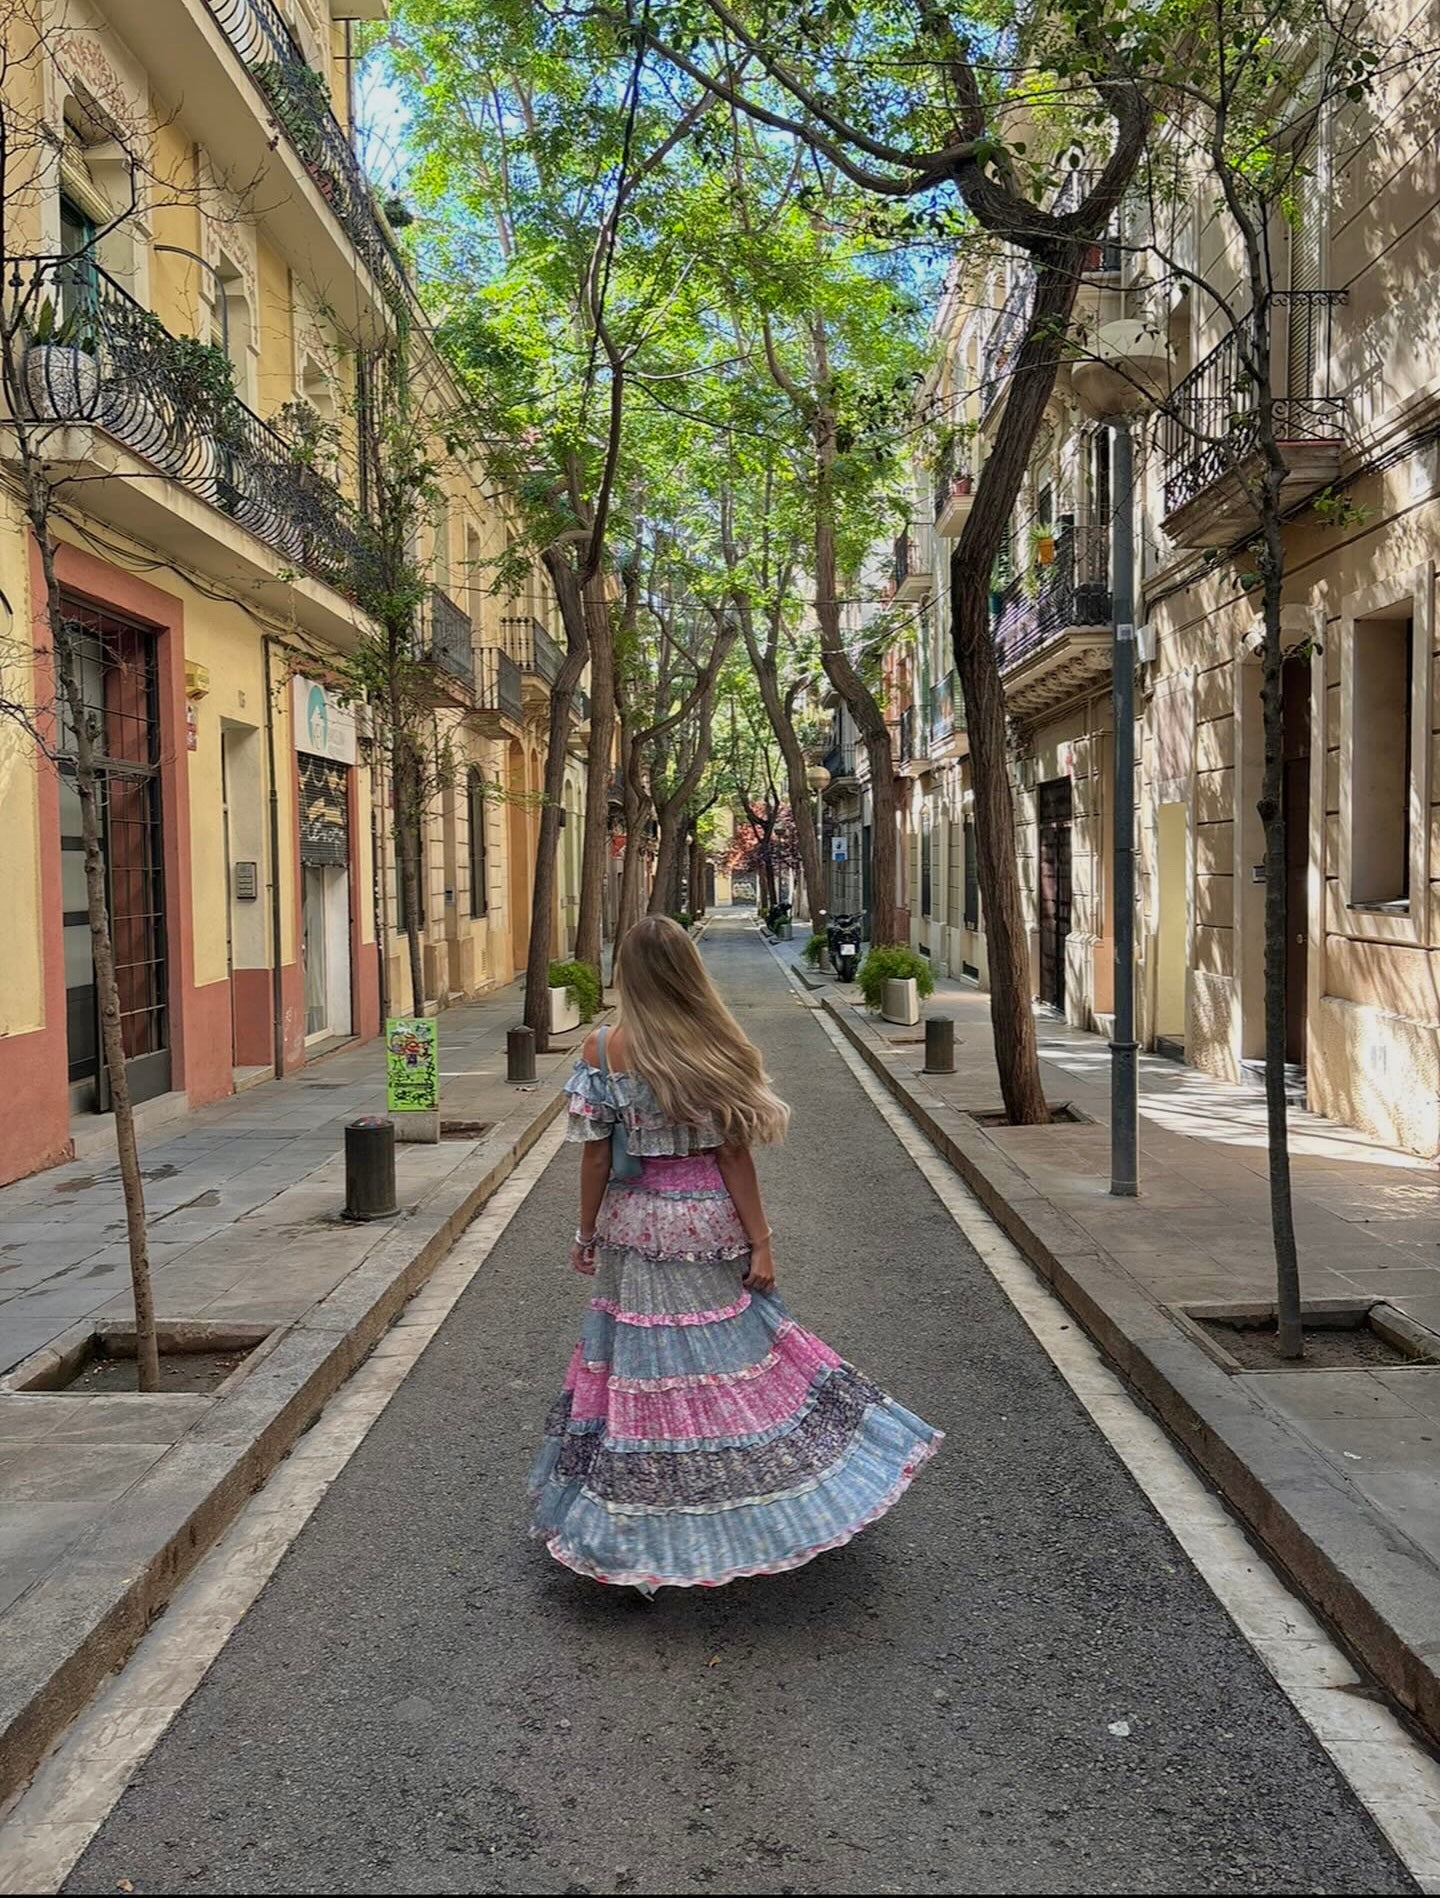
x: 106, y: 1500
x: 1338, y: 1469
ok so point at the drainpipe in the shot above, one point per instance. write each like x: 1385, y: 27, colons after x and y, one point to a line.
x: 277, y: 986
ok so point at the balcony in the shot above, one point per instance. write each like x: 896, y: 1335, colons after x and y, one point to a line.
x: 839, y: 761
x: 537, y: 655
x: 124, y: 402
x: 1104, y: 258
x: 912, y: 740
x: 954, y: 497
x: 579, y: 736
x: 911, y: 577
x: 1210, y: 431
x: 499, y: 710
x: 1052, y: 627
x: 944, y: 721
x: 450, y: 646
x: 1002, y: 342
x: 238, y: 75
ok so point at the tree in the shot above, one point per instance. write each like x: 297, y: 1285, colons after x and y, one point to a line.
x: 1246, y: 123
x: 559, y: 269
x: 910, y: 105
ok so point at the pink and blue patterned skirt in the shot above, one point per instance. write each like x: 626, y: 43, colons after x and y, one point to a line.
x: 702, y: 1434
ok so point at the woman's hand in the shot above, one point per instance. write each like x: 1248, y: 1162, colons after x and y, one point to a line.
x: 760, y: 1276
x: 582, y: 1257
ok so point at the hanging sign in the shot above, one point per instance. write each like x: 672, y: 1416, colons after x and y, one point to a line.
x: 412, y: 1073
x: 321, y: 724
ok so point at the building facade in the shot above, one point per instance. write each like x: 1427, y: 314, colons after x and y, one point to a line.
x: 205, y: 269
x: 1360, y: 401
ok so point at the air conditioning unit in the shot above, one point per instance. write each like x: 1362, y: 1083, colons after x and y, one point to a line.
x: 1147, y: 644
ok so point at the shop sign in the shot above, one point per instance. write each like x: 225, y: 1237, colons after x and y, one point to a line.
x: 322, y: 725
x: 412, y: 1065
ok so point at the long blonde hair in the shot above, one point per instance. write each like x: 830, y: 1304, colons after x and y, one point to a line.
x: 682, y: 1039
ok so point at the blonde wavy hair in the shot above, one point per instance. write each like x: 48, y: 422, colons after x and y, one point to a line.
x: 682, y: 1039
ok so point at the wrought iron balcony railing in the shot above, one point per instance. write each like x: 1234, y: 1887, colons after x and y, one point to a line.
x: 497, y: 685
x: 1035, y: 608
x: 531, y: 647
x: 1211, y: 422
x: 1075, y: 187
x: 914, y: 737
x: 580, y: 706
x: 452, y: 638
x: 1003, y: 337
x: 121, y: 370
x: 839, y: 761
x: 299, y: 101
x: 904, y: 560
x: 953, y: 482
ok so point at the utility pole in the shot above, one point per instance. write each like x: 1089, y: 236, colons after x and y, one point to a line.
x: 1124, y: 1051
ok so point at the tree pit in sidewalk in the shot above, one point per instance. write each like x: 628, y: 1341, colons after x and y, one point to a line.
x: 196, y: 1359
x: 1339, y: 1336
x: 1062, y: 1114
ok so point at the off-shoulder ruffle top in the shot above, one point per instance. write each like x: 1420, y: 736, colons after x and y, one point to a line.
x: 598, y: 1100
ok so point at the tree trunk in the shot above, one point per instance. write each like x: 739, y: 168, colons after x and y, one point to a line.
x: 972, y: 561
x: 595, y: 858
x: 667, y: 859
x: 1277, y: 939
x: 802, y: 809
x: 88, y: 788
x: 859, y: 700
x: 632, y: 870
x: 404, y: 770
x: 547, y: 849
x: 697, y: 873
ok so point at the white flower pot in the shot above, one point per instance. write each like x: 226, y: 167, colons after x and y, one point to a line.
x: 900, y: 1001
x: 129, y: 414
x: 564, y: 1011
x: 62, y: 382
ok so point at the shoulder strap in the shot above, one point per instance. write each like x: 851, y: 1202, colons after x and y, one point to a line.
x: 600, y: 1034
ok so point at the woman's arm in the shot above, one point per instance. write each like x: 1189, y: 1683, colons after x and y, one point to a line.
x: 594, y: 1178
x: 737, y: 1169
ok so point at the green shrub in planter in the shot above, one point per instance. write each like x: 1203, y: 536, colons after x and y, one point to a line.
x: 814, y: 948
x: 893, y: 962
x: 683, y: 917
x: 583, y: 984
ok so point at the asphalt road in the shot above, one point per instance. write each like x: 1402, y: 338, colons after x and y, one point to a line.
x: 421, y: 1701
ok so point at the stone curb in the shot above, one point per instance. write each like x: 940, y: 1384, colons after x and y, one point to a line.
x: 1375, y: 1587
x: 75, y: 1626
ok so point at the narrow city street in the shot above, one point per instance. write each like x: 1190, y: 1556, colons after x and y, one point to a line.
x: 1016, y: 1682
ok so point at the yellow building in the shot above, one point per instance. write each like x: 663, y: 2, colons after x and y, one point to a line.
x: 183, y: 176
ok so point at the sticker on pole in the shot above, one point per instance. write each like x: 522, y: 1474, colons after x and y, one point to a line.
x: 412, y: 1071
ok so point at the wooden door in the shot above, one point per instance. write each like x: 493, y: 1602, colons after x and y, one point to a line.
x: 1055, y: 819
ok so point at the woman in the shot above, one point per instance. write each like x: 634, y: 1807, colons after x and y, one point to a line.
x: 701, y: 1434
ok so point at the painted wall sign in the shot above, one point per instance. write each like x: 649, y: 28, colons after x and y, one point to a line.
x: 322, y: 725
x: 412, y: 1073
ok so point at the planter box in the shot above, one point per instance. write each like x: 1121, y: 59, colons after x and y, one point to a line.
x: 564, y: 1012
x: 900, y: 1001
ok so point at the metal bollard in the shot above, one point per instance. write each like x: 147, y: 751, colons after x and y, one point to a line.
x: 939, y: 1045
x: 520, y: 1054
x: 370, y: 1168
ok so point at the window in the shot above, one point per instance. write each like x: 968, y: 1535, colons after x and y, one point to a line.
x: 77, y: 240
x: 972, y: 878
x: 1383, y: 666
x: 475, y: 804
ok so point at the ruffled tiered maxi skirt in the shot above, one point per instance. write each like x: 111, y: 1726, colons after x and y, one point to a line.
x: 702, y: 1434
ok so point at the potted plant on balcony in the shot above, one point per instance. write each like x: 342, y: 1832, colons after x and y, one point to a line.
x: 1042, y: 539
x: 196, y: 381
x: 300, y: 101
x: 62, y: 370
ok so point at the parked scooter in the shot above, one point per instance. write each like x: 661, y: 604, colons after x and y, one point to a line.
x: 844, y: 940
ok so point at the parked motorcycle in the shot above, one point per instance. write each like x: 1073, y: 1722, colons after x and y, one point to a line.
x: 843, y: 933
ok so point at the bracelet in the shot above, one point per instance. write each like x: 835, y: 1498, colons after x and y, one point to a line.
x: 764, y: 1238
x: 585, y: 1245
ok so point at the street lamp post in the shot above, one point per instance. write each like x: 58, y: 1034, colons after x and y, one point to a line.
x: 817, y: 777
x: 1125, y: 373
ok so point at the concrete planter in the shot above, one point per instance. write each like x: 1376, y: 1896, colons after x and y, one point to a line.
x: 900, y: 1001
x: 564, y: 1012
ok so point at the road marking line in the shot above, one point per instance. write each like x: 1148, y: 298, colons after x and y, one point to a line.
x: 1392, y: 1774
x: 47, y: 1827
